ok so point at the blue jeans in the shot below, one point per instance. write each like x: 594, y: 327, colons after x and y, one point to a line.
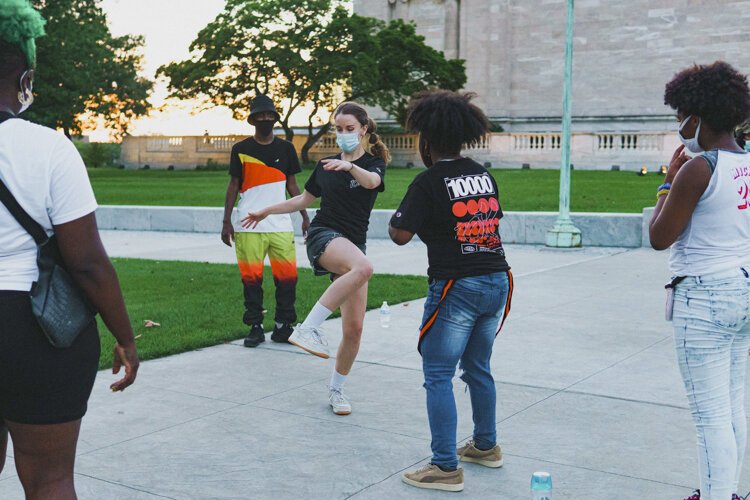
x: 463, y: 331
x: 712, y: 335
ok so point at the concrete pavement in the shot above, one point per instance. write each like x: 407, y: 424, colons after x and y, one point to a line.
x: 588, y: 389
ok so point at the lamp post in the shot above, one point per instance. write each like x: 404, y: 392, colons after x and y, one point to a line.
x: 564, y: 234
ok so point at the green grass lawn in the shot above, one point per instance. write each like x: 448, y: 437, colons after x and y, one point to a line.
x: 200, y: 305
x: 520, y: 190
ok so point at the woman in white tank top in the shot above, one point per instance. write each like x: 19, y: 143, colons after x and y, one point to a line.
x: 703, y: 214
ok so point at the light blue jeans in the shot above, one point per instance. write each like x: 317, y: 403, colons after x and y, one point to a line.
x: 463, y: 331
x: 712, y: 335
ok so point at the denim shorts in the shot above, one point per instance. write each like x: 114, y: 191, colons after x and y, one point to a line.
x: 318, y: 239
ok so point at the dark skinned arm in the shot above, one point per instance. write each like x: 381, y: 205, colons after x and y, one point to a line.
x: 399, y: 236
x: 227, y: 230
x: 689, y: 179
x: 88, y: 264
x: 293, y: 189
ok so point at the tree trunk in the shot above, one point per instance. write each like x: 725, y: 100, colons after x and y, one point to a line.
x: 288, y: 131
x: 312, y: 139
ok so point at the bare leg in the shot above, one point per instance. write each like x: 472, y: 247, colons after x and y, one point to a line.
x: 352, y: 317
x: 343, y: 258
x: 45, y: 458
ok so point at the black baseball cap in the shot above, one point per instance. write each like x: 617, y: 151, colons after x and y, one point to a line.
x: 262, y: 103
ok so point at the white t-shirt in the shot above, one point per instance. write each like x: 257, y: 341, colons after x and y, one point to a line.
x: 46, y: 175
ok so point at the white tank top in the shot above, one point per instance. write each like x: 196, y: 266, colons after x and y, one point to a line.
x: 717, y: 238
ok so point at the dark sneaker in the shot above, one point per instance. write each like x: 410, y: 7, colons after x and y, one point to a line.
x: 695, y: 496
x: 256, y: 336
x: 735, y: 496
x: 281, y: 333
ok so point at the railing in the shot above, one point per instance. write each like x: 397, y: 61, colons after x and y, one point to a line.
x: 164, y: 144
x: 326, y: 143
x: 628, y: 142
x: 482, y: 146
x: 540, y: 149
x: 535, y: 142
x: 394, y: 143
x: 214, y: 143
x: 400, y: 142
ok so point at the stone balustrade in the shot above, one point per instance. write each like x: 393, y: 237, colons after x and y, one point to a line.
x: 597, y: 151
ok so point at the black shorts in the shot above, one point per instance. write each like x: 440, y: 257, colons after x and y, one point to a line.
x: 41, y: 384
x: 318, y: 239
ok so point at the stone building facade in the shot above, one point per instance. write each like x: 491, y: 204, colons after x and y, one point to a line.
x: 624, y: 53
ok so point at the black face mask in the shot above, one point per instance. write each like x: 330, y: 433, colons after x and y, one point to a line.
x: 264, y: 127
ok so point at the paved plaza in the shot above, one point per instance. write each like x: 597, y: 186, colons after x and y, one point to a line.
x: 588, y: 389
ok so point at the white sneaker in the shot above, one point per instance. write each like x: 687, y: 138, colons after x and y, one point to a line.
x: 339, y: 404
x: 311, y: 340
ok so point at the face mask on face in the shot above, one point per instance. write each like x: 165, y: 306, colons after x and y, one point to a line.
x: 348, y: 142
x: 25, y: 97
x: 692, y: 145
x: 264, y: 127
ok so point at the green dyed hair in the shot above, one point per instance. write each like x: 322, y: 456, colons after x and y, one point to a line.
x: 21, y: 25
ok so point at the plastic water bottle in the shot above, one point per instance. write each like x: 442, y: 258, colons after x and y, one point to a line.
x: 541, y: 486
x: 385, y: 315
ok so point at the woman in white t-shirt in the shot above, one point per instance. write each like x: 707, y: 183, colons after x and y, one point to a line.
x: 44, y: 390
x: 703, y: 213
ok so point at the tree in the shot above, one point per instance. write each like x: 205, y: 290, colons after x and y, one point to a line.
x: 385, y: 64
x: 85, y: 71
x: 308, y: 51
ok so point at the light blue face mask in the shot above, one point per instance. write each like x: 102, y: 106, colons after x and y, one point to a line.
x: 747, y: 146
x: 348, y: 142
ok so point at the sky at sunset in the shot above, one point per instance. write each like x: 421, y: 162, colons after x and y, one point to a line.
x: 168, y: 27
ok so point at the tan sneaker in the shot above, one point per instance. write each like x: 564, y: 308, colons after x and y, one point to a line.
x: 431, y: 477
x: 489, y: 458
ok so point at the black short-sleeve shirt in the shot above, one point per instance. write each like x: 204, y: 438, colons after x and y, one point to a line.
x: 454, y: 209
x: 345, y: 206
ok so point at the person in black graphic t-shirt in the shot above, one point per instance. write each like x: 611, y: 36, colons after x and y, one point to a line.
x: 347, y: 185
x: 454, y: 208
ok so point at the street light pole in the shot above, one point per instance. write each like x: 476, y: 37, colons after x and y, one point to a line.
x: 564, y: 234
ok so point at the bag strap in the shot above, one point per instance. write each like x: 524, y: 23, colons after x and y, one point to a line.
x: 24, y: 219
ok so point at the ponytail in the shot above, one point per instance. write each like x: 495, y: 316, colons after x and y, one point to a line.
x: 376, y: 145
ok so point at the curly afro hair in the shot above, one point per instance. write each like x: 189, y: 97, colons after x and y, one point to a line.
x: 447, y: 120
x: 717, y: 93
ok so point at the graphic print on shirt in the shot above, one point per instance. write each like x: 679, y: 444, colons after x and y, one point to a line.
x: 476, y: 210
x: 256, y: 173
x: 741, y: 176
x: 262, y: 186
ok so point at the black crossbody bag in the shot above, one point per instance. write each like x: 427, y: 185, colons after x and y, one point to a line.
x: 59, y: 305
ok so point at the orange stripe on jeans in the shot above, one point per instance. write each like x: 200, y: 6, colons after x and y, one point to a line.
x: 428, y: 324
x: 507, y: 302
